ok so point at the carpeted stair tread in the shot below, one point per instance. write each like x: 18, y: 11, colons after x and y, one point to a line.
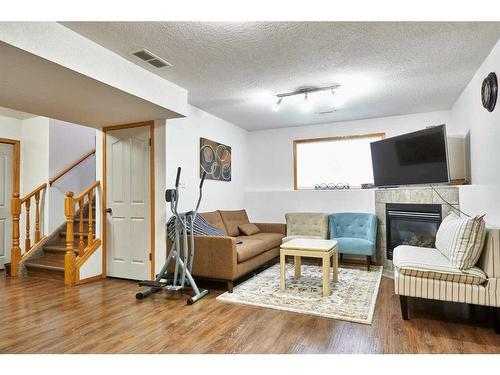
x: 59, y: 248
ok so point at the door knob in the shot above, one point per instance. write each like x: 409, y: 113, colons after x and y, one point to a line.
x: 109, y: 210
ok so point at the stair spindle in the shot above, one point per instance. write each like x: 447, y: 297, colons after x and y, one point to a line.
x: 69, y: 257
x: 27, y: 241
x: 91, y: 228
x: 37, y: 217
x: 16, y: 250
x: 81, y: 245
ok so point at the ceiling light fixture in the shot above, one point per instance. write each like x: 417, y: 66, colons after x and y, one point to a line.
x: 276, y: 106
x: 307, y: 105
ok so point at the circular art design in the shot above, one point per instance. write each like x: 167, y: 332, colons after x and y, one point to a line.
x: 215, y: 160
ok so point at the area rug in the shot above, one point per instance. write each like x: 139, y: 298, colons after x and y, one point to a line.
x: 353, y: 298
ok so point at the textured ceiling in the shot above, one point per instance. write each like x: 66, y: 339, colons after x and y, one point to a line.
x: 232, y: 69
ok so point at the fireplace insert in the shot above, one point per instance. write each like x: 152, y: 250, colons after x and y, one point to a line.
x: 411, y: 224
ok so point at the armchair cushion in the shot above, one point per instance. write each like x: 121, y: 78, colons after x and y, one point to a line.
x: 357, y: 246
x: 430, y: 263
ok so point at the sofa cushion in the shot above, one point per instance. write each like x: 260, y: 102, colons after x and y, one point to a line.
x: 232, y: 220
x: 461, y: 239
x: 430, y: 263
x: 248, y: 229
x: 352, y: 245
x: 214, y: 218
x: 271, y: 239
x: 249, y: 248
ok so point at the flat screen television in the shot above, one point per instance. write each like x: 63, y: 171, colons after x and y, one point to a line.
x: 414, y: 158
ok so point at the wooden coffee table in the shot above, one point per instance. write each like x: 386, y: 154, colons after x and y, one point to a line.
x: 301, y: 247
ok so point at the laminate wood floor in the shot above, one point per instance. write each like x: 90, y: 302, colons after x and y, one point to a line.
x: 43, y: 316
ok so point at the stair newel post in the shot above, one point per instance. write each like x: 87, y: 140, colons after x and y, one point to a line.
x: 91, y: 228
x: 81, y: 245
x: 16, y: 250
x: 27, y: 241
x: 37, y: 217
x: 69, y: 257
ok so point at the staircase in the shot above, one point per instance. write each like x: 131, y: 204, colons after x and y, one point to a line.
x: 48, y: 262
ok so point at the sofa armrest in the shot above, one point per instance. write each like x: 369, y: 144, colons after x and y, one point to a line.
x: 272, y: 227
x: 215, y: 257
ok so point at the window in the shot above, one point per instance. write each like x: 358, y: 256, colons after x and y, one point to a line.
x: 334, y: 160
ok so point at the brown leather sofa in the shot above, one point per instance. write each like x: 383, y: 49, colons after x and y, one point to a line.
x: 221, y: 259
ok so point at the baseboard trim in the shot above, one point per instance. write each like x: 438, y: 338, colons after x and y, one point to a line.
x: 90, y: 279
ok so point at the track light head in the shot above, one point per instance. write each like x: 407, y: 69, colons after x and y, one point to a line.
x: 276, y: 106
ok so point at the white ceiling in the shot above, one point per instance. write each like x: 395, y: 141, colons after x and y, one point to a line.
x: 232, y: 70
x: 29, y: 83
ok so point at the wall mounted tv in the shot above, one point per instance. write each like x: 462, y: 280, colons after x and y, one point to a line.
x: 414, y: 158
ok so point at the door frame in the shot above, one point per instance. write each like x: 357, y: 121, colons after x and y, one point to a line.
x: 16, y: 170
x: 105, y: 131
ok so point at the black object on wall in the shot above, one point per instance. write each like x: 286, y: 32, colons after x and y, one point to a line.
x: 489, y: 92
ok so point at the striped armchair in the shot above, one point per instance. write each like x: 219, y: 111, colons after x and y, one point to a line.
x: 425, y: 273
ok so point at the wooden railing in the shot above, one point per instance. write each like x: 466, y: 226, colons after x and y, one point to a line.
x: 17, y: 208
x: 72, y: 263
x: 70, y: 167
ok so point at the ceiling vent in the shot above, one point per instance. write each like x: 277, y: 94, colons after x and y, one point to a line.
x: 151, y: 58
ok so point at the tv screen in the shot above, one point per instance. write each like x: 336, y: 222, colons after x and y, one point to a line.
x: 413, y: 158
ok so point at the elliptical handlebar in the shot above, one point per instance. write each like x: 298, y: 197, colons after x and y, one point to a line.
x: 202, y: 179
x: 200, y: 196
x: 178, y: 177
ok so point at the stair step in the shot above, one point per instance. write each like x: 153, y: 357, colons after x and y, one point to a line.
x: 75, y: 234
x: 51, y: 261
x: 54, y: 248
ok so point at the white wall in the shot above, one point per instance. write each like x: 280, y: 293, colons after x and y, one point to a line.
x: 483, y: 128
x: 33, y: 134
x: 269, y: 188
x: 68, y: 143
x: 182, y: 150
x: 11, y: 128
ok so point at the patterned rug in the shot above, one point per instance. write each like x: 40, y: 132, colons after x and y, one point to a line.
x: 353, y: 298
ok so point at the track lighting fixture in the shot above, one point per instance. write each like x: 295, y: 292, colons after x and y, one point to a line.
x: 306, y: 105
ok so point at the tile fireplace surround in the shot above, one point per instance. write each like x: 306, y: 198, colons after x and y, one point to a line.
x: 421, y: 195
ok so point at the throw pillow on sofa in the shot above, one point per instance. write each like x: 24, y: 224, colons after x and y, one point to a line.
x: 249, y: 229
x: 461, y: 240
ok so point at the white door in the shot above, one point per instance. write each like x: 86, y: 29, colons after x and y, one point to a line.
x: 6, y: 180
x: 128, y: 203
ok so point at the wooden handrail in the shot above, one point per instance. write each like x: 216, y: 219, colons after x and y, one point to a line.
x: 87, y: 190
x: 36, y: 190
x: 73, y: 165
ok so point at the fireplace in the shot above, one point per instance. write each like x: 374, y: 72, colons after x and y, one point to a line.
x: 411, y: 224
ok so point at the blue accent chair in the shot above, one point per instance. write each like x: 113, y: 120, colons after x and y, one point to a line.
x: 355, y: 233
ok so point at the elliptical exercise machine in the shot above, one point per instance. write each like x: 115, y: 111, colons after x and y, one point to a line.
x: 181, y: 255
